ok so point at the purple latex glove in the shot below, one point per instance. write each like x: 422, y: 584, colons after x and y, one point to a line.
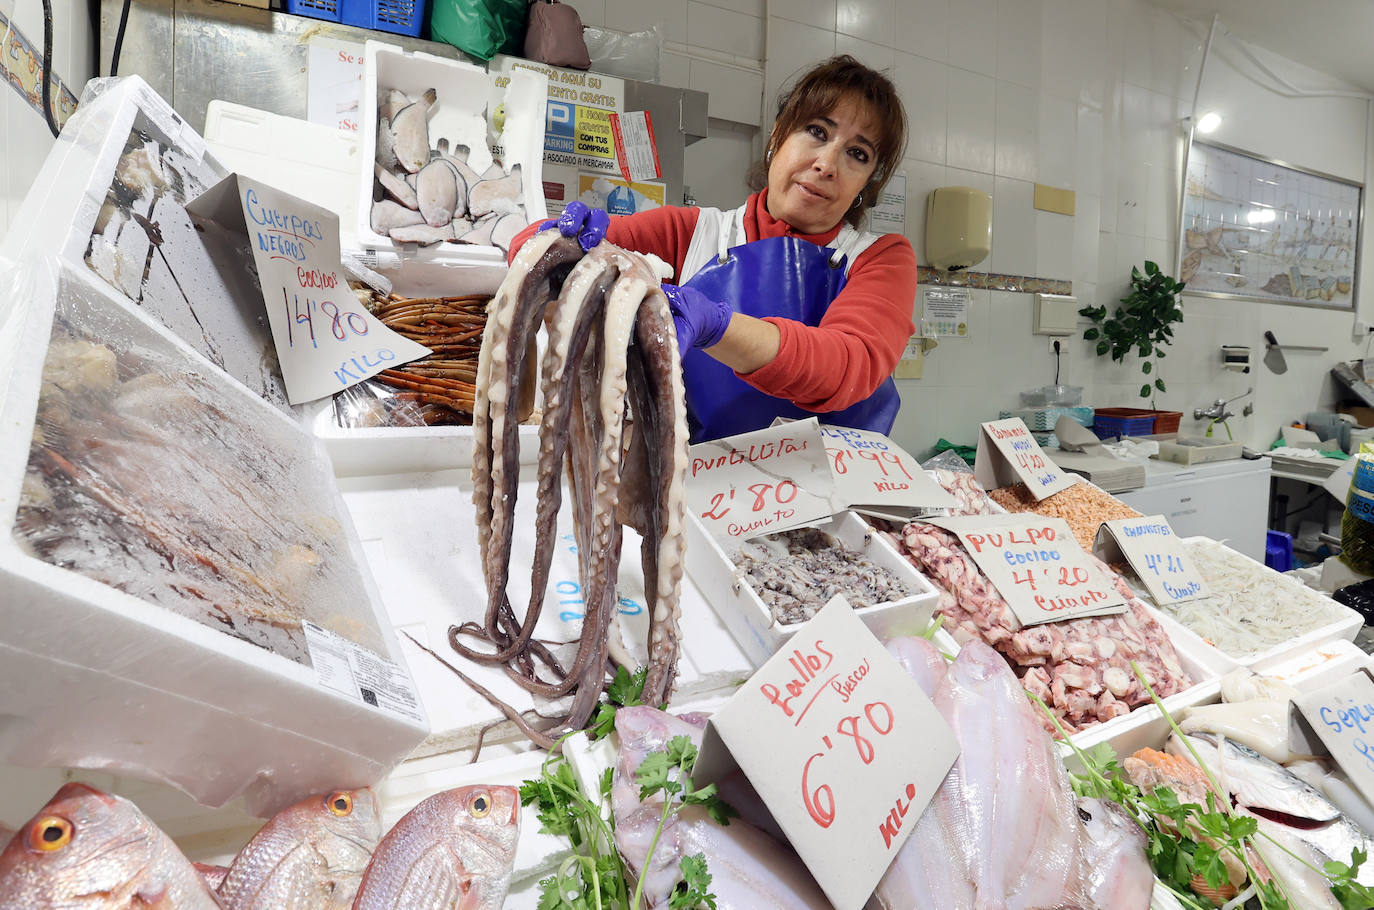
x: 578, y: 220
x: 700, y: 321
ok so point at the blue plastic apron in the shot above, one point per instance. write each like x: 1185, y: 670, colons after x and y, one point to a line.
x: 775, y: 276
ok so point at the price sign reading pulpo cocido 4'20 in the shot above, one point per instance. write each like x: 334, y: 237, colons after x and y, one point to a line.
x: 842, y: 746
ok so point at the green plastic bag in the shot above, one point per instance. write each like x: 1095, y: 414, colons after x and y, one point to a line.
x: 480, y: 28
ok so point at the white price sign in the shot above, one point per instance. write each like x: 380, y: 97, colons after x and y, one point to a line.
x: 876, y: 476
x: 1007, y: 453
x: 1343, y: 717
x: 1155, y: 553
x: 841, y: 744
x: 761, y: 482
x: 1037, y: 566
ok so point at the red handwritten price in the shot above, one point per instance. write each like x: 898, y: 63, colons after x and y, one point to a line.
x: 766, y: 496
x: 820, y: 801
x: 1030, y: 462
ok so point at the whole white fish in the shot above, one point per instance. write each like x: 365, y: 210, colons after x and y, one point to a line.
x: 1270, y: 791
x: 454, y: 851
x: 87, y: 849
x: 1112, y: 861
x: 310, y: 856
x: 749, y: 869
x: 1261, y: 724
x: 1295, y: 864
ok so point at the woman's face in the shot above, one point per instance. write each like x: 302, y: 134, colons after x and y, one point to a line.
x: 818, y: 170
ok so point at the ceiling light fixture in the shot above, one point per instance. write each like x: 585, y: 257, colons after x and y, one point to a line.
x: 1208, y: 122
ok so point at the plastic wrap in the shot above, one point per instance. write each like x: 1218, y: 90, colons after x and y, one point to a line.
x: 143, y: 475
x: 437, y: 389
x: 633, y: 55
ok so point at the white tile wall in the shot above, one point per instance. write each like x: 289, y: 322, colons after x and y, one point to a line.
x: 871, y: 20
x: 815, y: 13
x: 1013, y: 227
x: 1017, y: 142
x: 922, y: 28
x: 25, y: 140
x: 972, y: 36
x: 923, y: 86
x: 972, y: 121
x: 724, y: 30
x: 1018, y: 50
x: 638, y: 15
x: 734, y: 94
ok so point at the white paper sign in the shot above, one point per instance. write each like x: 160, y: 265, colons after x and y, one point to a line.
x: 945, y: 312
x: 326, y: 340
x: 1037, y: 566
x: 889, y: 215
x: 760, y: 482
x: 876, y: 476
x: 1007, y: 453
x: 334, y: 83
x: 1155, y: 553
x: 1342, y: 715
x: 843, y: 747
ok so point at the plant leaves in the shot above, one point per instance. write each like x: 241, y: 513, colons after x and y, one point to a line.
x: 1146, y: 367
x: 1145, y: 391
x: 1159, y: 384
x: 1103, y: 347
x: 1090, y: 334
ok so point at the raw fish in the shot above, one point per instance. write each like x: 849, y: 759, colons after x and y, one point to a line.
x: 1260, y: 724
x: 398, y: 187
x: 1294, y: 864
x: 1247, y: 685
x: 211, y: 874
x: 410, y: 133
x: 436, y: 187
x: 920, y: 659
x: 454, y: 851
x: 496, y: 195
x: 748, y: 868
x: 388, y: 215
x: 1349, y: 800
x: 92, y: 850
x: 1112, y: 859
x: 310, y: 856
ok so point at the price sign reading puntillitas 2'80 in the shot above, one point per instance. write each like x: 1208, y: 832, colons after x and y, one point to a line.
x: 843, y: 747
x: 1036, y: 565
x: 761, y: 482
x: 1007, y: 452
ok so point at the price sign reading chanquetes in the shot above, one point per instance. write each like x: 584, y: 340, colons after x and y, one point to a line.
x: 1155, y: 553
x: 841, y: 744
x: 326, y: 340
x: 876, y: 476
x: 1007, y: 453
x: 1037, y: 566
x: 761, y: 482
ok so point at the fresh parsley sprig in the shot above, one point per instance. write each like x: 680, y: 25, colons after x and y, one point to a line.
x: 624, y: 691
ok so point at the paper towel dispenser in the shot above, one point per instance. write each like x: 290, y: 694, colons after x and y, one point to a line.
x: 958, y: 227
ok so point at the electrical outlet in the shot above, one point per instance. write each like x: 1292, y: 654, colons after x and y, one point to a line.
x: 1360, y: 329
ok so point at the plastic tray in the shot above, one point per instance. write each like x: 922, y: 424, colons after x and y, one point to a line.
x: 1046, y: 418
x: 1201, y: 452
x: 404, y: 17
x: 751, y: 622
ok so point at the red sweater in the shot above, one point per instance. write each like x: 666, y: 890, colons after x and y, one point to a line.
x: 818, y: 368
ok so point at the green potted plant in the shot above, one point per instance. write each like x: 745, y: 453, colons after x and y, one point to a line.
x: 1143, y: 323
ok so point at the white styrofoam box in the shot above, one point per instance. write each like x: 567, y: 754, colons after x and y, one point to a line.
x: 1147, y: 728
x: 200, y: 282
x: 312, y: 161
x: 396, y: 450
x: 429, y: 572
x: 465, y: 93
x: 1346, y: 624
x: 93, y: 677
x: 1204, y: 665
x: 750, y: 620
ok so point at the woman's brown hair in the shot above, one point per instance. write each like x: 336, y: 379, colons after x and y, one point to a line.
x: 816, y: 94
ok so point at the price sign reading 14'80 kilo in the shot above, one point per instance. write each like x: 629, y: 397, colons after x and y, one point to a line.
x: 1036, y: 565
x: 841, y: 744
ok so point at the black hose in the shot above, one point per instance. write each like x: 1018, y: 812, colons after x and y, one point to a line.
x: 46, y: 72
x: 119, y: 37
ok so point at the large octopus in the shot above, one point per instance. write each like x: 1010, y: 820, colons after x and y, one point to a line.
x: 611, y: 349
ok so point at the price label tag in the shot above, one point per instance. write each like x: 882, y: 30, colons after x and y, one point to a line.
x: 1342, y: 716
x: 326, y: 340
x: 635, y: 147
x: 841, y: 744
x: 1037, y: 566
x: 1155, y: 553
x: 876, y: 476
x: 760, y: 482
x: 1007, y: 453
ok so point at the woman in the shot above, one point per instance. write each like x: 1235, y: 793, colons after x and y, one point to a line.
x: 783, y: 307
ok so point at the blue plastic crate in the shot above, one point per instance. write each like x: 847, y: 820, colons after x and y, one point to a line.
x: 1109, y: 423
x: 401, y: 17
x: 1278, y: 550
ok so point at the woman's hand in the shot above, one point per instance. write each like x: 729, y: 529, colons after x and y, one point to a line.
x: 579, y: 220
x: 700, y: 321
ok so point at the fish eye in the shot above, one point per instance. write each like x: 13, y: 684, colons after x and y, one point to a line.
x: 50, y: 833
x: 480, y: 805
x: 340, y: 803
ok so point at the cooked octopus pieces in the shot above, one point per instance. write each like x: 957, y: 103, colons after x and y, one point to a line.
x: 615, y: 414
x: 797, y: 572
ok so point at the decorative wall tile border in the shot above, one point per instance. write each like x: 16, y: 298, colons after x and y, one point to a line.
x: 22, y: 62
x: 995, y: 281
